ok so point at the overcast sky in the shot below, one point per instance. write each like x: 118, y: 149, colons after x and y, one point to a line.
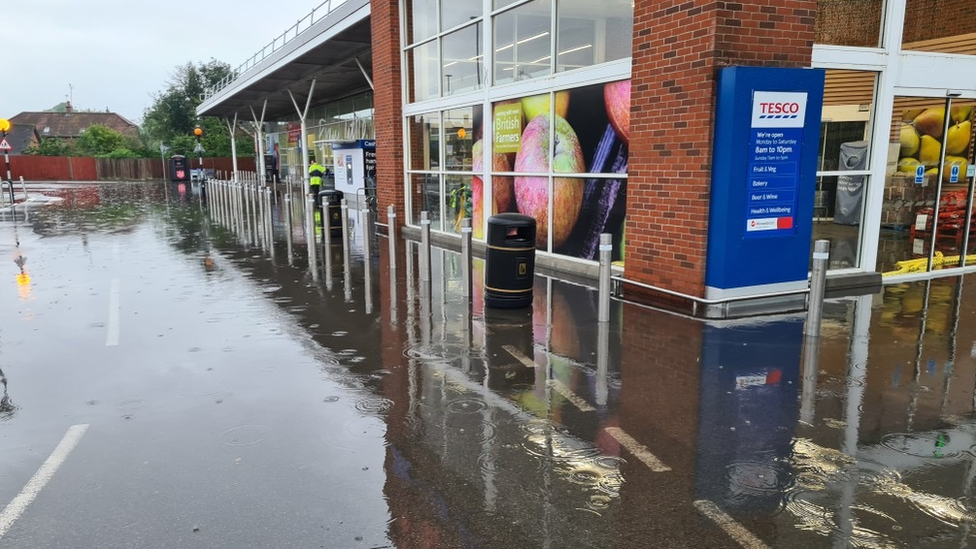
x: 118, y: 53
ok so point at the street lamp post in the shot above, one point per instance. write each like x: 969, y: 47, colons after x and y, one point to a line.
x: 4, y: 128
x: 198, y: 132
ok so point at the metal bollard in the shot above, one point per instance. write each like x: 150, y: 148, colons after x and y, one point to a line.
x: 367, y: 258
x: 391, y: 233
x: 313, y: 262
x: 424, y: 247
x: 269, y: 220
x: 327, y: 240
x: 606, y: 248
x: 466, y: 266
x: 345, y: 240
x: 818, y: 286
x: 367, y: 217
x: 259, y: 228
x: 256, y: 215
x: 811, y: 370
x: 288, y: 221
x: 602, y: 362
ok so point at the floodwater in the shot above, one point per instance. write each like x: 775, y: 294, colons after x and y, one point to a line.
x: 233, y: 400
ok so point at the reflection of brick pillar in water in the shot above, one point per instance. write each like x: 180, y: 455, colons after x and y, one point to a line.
x: 509, y: 347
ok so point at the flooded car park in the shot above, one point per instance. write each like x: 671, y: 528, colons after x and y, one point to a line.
x: 232, y: 400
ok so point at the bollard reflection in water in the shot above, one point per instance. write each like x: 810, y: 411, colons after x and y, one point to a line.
x: 509, y: 343
x: 287, y: 205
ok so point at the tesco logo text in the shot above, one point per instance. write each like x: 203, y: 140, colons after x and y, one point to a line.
x: 779, y: 108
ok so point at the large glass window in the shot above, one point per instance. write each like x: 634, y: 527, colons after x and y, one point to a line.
x: 924, y: 214
x: 461, y: 60
x: 421, y: 20
x: 843, y: 170
x: 593, y: 32
x: 457, y: 12
x: 849, y: 22
x: 523, y: 42
x: 945, y: 26
x: 425, y: 136
x: 444, y: 157
x: 423, y: 67
x: 459, y: 137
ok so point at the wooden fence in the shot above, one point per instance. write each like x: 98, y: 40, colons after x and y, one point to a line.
x: 70, y: 168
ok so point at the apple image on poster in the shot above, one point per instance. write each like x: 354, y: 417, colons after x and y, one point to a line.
x: 536, y: 105
x: 501, y: 187
x: 616, y: 96
x: 532, y: 192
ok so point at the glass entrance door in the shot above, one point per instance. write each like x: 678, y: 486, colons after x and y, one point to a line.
x: 926, y: 218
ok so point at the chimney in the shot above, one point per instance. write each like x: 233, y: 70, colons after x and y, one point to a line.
x: 67, y: 107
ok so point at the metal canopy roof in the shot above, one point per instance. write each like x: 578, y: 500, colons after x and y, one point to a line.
x: 328, y: 51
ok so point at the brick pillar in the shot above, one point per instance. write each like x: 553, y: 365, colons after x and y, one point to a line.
x: 387, y: 105
x: 678, y: 47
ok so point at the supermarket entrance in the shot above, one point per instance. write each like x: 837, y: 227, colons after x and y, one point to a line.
x: 930, y: 185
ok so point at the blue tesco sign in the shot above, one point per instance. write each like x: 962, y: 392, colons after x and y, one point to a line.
x: 767, y: 134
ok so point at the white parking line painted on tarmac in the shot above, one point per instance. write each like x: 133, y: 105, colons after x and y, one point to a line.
x: 638, y: 449
x: 736, y: 531
x: 112, y: 337
x: 577, y: 401
x: 519, y: 356
x: 16, y: 508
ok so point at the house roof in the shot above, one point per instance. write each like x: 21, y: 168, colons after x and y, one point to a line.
x: 71, y: 124
x: 20, y: 137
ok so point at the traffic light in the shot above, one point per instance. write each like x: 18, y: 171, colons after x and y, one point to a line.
x: 198, y: 131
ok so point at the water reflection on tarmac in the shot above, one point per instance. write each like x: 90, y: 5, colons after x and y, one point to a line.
x: 391, y: 414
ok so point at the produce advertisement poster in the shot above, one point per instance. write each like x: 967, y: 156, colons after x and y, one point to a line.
x: 591, y: 133
x: 921, y: 140
x: 508, y: 127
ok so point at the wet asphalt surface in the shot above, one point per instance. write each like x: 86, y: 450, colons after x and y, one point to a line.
x: 232, y: 401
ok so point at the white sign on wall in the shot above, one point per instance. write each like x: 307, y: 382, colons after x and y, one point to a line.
x: 779, y: 109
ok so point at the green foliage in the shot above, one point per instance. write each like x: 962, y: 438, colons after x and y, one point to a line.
x: 51, y: 146
x: 99, y: 140
x: 120, y: 153
x: 172, y: 116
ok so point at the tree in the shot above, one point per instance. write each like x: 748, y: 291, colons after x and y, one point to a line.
x: 172, y: 116
x: 50, y: 146
x: 99, y: 140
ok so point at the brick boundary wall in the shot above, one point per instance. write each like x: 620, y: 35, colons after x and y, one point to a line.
x: 678, y: 48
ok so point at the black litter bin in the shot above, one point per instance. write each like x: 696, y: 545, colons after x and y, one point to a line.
x: 332, y: 199
x: 509, y: 261
x: 179, y: 169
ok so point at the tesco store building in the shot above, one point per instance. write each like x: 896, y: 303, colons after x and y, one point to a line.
x: 633, y: 118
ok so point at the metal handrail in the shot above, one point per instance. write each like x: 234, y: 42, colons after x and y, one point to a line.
x: 277, y: 43
x: 705, y: 301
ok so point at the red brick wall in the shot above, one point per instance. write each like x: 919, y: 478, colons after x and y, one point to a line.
x: 678, y: 47
x: 387, y: 100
